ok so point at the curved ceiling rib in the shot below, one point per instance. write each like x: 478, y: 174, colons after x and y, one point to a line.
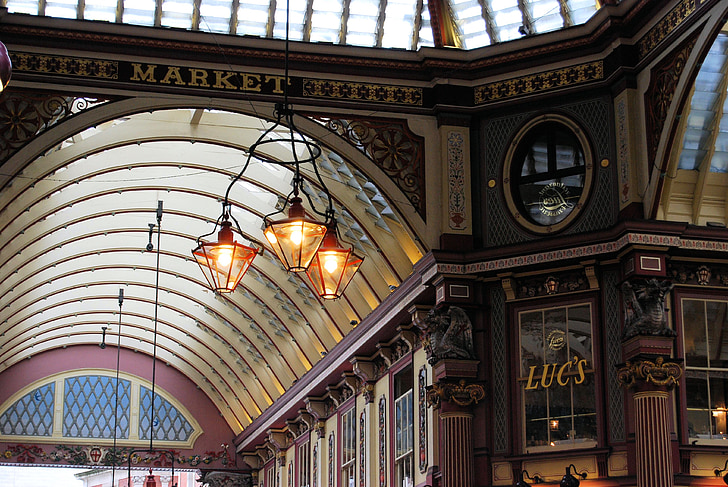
x: 74, y: 227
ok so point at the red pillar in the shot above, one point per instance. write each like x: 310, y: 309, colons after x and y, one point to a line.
x: 649, y: 375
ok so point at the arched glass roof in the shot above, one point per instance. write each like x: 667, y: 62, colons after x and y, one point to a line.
x: 402, y: 24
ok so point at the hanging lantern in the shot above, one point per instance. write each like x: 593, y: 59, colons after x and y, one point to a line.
x: 6, y: 67
x: 333, y: 266
x: 224, y: 262
x: 295, y: 239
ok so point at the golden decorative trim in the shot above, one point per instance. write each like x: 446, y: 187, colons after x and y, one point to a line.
x: 540, y: 82
x: 462, y: 394
x: 399, y: 95
x: 74, y: 66
x: 659, y: 372
x: 664, y: 27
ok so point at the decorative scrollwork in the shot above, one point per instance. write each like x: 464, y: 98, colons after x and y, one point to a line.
x: 659, y: 372
x: 390, y: 145
x: 24, y: 115
x: 462, y: 394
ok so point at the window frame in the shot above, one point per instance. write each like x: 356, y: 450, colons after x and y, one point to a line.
x: 679, y: 295
x: 348, y: 408
x: 518, y: 382
x: 303, y: 465
x: 525, y: 133
x: 401, y: 368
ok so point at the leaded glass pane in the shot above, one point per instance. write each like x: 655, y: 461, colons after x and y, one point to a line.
x: 469, y: 16
x: 88, y: 407
x: 169, y: 424
x: 31, y: 415
x: 546, y: 15
x: 362, y: 24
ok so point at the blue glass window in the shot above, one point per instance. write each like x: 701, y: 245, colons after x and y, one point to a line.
x: 169, y: 424
x: 88, y: 409
x: 30, y: 415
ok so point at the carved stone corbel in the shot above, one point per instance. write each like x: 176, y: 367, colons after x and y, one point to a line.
x: 460, y: 393
x: 253, y: 460
x: 334, y: 394
x: 317, y: 407
x: 386, y: 353
x: 351, y: 381
x: 279, y: 438
x: 306, y: 418
x: 363, y: 368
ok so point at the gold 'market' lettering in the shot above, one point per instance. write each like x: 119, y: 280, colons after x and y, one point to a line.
x: 173, y: 74
x: 221, y: 80
x: 147, y: 75
x: 198, y: 77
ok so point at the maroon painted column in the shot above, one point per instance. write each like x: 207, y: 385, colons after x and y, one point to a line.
x: 649, y: 375
x: 454, y: 401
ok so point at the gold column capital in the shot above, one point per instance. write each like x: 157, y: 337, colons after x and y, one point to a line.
x: 460, y: 393
x: 646, y: 371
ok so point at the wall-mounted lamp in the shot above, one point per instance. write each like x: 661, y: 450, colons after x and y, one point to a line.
x: 569, y: 480
x: 522, y: 483
x: 724, y: 469
x: 551, y: 285
x: 703, y: 275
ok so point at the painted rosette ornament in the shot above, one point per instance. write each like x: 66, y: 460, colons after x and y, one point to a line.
x: 6, y: 67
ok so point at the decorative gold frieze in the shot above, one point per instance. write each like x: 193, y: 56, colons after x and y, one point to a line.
x: 540, y: 82
x: 398, y: 95
x: 65, y: 65
x: 461, y: 393
x: 664, y: 27
x: 659, y: 373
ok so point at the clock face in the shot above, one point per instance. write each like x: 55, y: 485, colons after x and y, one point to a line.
x: 548, y: 175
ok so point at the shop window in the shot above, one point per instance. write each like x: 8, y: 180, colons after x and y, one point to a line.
x: 548, y: 174
x: 271, y: 479
x: 557, y: 378
x: 304, y: 464
x: 404, y: 428
x: 348, y: 448
x: 705, y: 332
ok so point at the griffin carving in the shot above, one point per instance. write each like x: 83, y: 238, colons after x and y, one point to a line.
x: 448, y: 334
x: 645, y: 309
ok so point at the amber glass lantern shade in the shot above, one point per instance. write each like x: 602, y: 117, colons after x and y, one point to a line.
x: 6, y: 67
x: 295, y: 239
x: 333, y: 267
x: 224, y: 262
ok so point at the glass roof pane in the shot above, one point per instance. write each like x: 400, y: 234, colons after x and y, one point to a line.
x: 469, y: 16
x: 177, y: 13
x: 215, y: 15
x: 508, y: 18
x: 398, y: 23
x: 253, y: 18
x: 61, y: 8
x: 546, y: 15
x: 326, y: 20
x: 581, y: 10
x: 139, y: 12
x: 426, y: 39
x: 362, y: 24
x: 100, y: 10
x: 297, y: 11
x: 29, y: 7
